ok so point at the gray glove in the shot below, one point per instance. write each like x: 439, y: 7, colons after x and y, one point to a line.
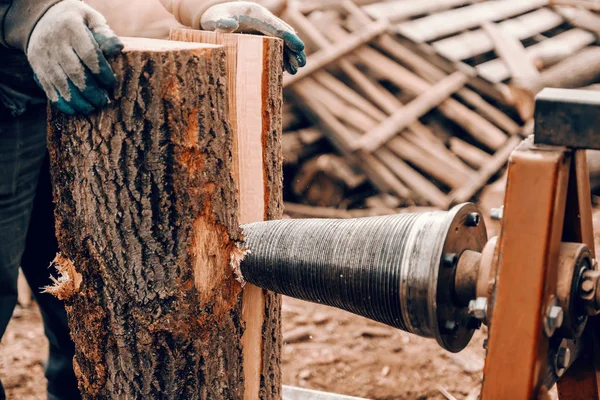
x: 246, y: 16
x: 67, y: 52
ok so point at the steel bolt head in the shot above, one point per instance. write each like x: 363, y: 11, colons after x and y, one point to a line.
x: 563, y: 357
x: 473, y: 219
x: 478, y: 308
x: 554, y: 319
x: 587, y: 286
x: 497, y: 213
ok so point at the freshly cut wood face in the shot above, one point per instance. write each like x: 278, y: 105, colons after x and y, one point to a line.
x: 157, y: 45
x: 254, y: 75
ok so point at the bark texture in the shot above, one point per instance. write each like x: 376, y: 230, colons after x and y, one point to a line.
x: 146, y: 211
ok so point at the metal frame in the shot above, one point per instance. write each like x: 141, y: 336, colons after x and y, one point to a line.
x: 547, y: 202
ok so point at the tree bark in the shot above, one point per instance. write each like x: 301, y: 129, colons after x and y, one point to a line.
x: 147, y: 218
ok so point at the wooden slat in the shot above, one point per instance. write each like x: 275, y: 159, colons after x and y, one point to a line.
x: 334, y: 52
x: 396, y: 11
x: 546, y: 52
x: 472, y: 155
x: 446, y: 23
x: 398, y: 121
x: 579, y: 18
x: 472, y: 43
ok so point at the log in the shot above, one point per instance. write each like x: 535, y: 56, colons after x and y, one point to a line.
x: 255, y: 102
x: 149, y: 194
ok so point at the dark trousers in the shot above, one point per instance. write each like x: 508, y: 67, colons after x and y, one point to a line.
x: 27, y: 239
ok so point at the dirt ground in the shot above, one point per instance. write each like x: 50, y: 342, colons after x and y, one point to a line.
x: 326, y: 349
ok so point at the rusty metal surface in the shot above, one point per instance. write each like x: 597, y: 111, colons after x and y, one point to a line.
x: 568, y: 117
x: 531, y: 234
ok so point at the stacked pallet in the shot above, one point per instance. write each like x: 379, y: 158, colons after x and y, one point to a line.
x: 420, y: 103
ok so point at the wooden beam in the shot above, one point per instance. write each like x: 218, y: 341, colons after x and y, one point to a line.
x: 452, y: 21
x: 254, y: 75
x: 473, y: 43
x: 332, y: 53
x: 148, y: 215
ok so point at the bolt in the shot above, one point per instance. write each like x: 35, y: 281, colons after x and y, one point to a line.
x: 497, y: 213
x: 450, y: 260
x: 587, y: 287
x: 554, y: 319
x: 472, y: 219
x: 478, y: 308
x: 562, y: 359
x: 450, y: 326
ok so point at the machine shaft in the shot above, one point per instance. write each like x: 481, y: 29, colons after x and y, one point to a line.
x: 398, y: 270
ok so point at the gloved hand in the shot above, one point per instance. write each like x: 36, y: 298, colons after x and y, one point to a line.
x: 66, y: 51
x: 246, y: 16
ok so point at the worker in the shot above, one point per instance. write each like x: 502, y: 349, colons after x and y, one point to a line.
x: 57, y: 50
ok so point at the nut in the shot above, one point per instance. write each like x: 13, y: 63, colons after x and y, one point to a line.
x: 554, y: 317
x: 473, y: 219
x: 497, y: 213
x: 478, y: 308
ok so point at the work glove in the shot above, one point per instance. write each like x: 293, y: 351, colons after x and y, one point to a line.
x: 67, y: 51
x: 245, y: 16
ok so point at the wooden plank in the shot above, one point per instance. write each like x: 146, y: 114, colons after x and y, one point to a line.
x: 472, y: 155
x: 512, y: 52
x: 524, y: 75
x: 473, y: 43
x: 413, y: 110
x: 578, y: 70
x: 332, y: 53
x: 582, y: 19
x: 396, y: 11
x: 254, y: 76
x: 531, y: 235
x: 446, y: 23
x: 546, y: 52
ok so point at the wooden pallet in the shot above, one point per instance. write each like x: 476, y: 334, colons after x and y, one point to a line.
x: 369, y: 94
x: 452, y: 34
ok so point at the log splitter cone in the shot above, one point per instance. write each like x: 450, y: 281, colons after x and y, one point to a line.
x: 396, y: 269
